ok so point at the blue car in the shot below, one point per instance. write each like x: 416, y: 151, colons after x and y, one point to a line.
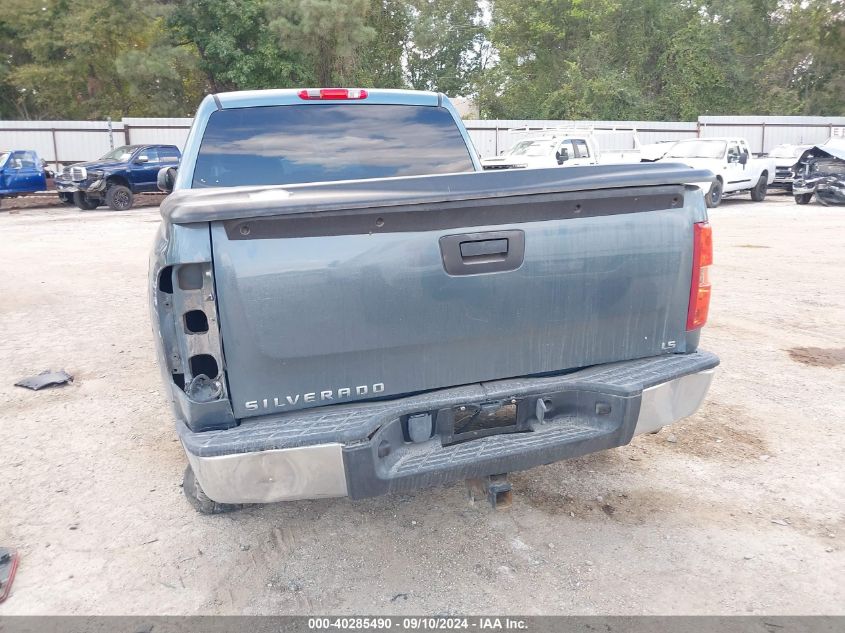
x: 21, y: 173
x: 115, y: 178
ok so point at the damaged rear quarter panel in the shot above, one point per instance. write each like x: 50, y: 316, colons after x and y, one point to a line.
x: 181, y: 280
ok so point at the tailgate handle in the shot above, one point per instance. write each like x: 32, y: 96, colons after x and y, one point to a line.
x: 484, y: 248
x: 477, y: 253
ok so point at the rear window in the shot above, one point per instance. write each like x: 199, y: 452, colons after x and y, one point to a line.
x: 280, y: 145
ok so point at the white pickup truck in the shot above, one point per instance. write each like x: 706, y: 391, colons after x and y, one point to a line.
x: 730, y: 160
x: 561, y: 147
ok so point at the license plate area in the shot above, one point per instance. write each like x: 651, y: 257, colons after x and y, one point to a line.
x: 471, y: 421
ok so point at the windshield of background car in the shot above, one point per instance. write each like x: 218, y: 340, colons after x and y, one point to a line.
x: 280, y: 145
x: 520, y: 148
x: 120, y: 154
x: 697, y: 149
x: 533, y: 148
x: 3, y: 157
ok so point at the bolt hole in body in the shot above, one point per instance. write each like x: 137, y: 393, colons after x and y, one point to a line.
x: 196, y: 322
x: 204, y: 364
x: 165, y: 280
x: 190, y: 276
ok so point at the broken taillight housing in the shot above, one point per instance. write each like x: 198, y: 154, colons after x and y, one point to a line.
x: 702, y: 258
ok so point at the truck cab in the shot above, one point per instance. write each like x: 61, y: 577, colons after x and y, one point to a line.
x: 116, y: 177
x: 730, y: 159
x: 21, y: 173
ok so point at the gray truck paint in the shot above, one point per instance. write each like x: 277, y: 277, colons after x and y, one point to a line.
x: 380, y: 310
x: 373, y: 312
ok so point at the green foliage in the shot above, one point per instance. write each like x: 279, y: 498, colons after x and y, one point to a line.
x: 809, y: 66
x: 380, y: 61
x: 84, y: 60
x: 441, y: 53
x: 235, y: 46
x: 665, y: 59
x: 596, y: 59
x: 328, y: 32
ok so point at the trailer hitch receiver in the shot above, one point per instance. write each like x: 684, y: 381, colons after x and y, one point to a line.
x: 494, y: 488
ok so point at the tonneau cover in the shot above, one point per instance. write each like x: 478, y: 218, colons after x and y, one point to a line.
x: 188, y: 206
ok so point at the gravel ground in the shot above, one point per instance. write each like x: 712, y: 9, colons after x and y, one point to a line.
x: 736, y: 510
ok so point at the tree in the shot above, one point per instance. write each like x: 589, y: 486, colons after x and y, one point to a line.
x: 441, y: 51
x: 236, y: 47
x: 380, y: 61
x: 807, y: 71
x: 79, y: 60
x: 329, y: 34
x: 665, y: 59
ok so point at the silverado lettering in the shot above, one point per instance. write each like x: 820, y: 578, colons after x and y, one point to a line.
x: 328, y: 394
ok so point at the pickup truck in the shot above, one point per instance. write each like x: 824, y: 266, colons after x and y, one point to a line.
x: 565, y: 148
x: 115, y: 178
x: 344, y: 304
x: 730, y: 160
x: 21, y: 173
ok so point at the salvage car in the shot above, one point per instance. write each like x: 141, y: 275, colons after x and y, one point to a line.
x: 115, y: 178
x: 386, y: 316
x: 821, y: 171
x: 22, y: 173
x: 785, y: 157
x: 729, y: 158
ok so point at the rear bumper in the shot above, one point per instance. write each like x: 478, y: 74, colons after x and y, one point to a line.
x: 360, y: 450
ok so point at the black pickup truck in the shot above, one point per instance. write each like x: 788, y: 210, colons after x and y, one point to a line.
x: 344, y: 304
x: 115, y: 178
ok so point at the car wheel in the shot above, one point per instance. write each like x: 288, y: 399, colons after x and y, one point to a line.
x: 824, y: 198
x: 758, y: 193
x: 119, y: 198
x: 81, y: 200
x: 803, y: 198
x: 201, y: 501
x: 714, y: 196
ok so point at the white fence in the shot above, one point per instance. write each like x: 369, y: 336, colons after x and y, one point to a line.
x: 64, y: 142
x: 762, y: 132
x: 493, y: 137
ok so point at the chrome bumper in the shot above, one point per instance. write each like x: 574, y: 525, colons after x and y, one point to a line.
x: 671, y: 401
x: 318, y: 471
x: 305, y: 472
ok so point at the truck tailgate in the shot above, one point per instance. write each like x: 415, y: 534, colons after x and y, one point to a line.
x: 350, y: 291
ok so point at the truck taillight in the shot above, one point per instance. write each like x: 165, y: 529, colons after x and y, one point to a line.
x: 332, y: 93
x: 702, y: 258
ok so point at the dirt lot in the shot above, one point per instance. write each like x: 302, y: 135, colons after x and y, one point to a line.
x: 736, y: 510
